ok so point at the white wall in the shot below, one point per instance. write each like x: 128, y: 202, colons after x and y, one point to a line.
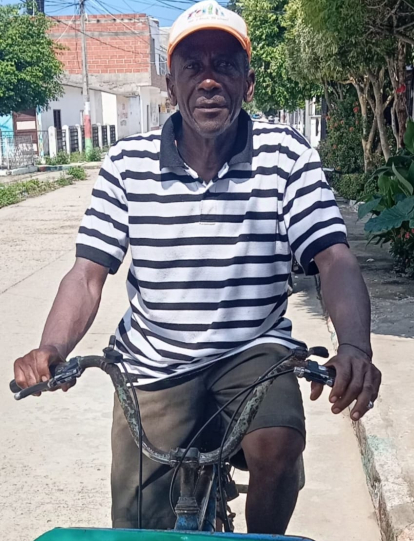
x: 109, y: 109
x: 70, y: 105
x: 134, y: 115
x: 128, y: 115
x: 96, y: 107
x: 145, y: 93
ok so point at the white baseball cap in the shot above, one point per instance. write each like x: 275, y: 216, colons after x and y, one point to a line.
x: 208, y: 15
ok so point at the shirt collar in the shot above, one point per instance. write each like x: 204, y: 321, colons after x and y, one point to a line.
x: 243, y: 150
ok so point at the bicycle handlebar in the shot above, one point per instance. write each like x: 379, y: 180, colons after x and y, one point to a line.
x: 296, y: 361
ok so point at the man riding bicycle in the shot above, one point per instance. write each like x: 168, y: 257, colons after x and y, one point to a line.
x: 212, y: 209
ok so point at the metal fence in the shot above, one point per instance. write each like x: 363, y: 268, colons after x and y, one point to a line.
x: 83, y: 137
x: 105, y: 142
x: 95, y: 136
x: 61, y: 140
x: 74, y: 139
x: 16, y: 150
x: 113, y: 135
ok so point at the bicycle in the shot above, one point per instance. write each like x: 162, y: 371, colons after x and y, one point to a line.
x: 205, y: 484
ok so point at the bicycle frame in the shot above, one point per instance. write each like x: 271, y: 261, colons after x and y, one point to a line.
x: 196, y: 506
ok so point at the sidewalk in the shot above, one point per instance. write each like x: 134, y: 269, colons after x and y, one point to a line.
x: 48, y: 175
x: 386, y: 434
x: 55, y: 451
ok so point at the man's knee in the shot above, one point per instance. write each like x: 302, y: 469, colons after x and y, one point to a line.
x: 273, y: 452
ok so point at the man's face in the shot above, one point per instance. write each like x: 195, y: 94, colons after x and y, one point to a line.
x: 209, y: 81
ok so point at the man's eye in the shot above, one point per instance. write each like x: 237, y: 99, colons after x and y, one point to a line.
x: 224, y: 64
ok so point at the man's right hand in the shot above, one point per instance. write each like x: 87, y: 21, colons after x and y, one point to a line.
x: 35, y: 367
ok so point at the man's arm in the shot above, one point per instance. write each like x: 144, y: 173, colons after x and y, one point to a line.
x: 73, y: 312
x: 347, y: 302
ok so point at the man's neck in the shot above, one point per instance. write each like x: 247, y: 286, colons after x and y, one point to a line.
x: 206, y: 156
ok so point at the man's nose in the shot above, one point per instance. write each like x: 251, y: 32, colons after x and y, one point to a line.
x: 209, y: 84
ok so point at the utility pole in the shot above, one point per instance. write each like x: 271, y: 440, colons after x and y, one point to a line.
x: 87, y: 107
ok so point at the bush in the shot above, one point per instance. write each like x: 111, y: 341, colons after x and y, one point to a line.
x: 77, y: 172
x: 62, y: 158
x: 391, y: 206
x: 342, y: 149
x: 351, y: 186
x: 77, y: 157
x: 94, y: 155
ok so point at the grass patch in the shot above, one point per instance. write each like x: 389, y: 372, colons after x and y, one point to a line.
x: 15, y: 192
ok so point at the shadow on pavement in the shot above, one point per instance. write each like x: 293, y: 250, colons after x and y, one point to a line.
x: 392, y: 296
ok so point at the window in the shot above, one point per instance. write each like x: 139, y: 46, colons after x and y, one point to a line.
x: 57, y: 119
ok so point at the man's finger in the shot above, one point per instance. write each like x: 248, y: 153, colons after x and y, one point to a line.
x: 352, y: 392
x: 368, y: 394
x: 316, y: 390
x: 342, y: 379
x: 67, y: 386
x: 19, y: 374
x: 29, y: 376
x: 42, y: 366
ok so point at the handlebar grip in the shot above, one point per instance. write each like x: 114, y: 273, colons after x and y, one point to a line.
x: 34, y: 389
x: 14, y: 387
x: 320, y: 351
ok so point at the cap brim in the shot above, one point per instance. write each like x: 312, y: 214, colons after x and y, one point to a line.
x: 243, y: 42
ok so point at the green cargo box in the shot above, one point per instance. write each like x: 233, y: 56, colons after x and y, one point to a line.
x: 80, y: 534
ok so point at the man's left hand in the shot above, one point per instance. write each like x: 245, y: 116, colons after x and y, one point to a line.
x: 356, y: 379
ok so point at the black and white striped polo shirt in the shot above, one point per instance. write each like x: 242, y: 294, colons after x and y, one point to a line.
x: 210, y: 261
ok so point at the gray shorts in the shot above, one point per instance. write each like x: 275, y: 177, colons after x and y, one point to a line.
x: 174, y: 410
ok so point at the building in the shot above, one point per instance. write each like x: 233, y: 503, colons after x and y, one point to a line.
x: 125, y: 57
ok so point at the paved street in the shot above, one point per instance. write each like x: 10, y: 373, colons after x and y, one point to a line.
x: 54, y: 451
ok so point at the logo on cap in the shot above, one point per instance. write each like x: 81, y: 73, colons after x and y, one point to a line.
x: 209, y: 10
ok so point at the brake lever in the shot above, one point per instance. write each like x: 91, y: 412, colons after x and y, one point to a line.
x: 312, y: 371
x: 62, y: 373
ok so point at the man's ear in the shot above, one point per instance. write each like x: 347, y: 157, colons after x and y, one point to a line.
x: 250, y: 84
x: 171, y: 89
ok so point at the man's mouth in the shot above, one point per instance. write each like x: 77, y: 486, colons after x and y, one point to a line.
x: 210, y: 105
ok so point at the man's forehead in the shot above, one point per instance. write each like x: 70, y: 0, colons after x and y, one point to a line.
x: 215, y: 42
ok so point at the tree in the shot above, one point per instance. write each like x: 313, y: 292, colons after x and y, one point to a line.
x: 383, y: 30
x: 275, y: 88
x: 355, y: 42
x: 29, y: 68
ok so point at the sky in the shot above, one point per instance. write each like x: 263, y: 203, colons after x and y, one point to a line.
x: 166, y: 11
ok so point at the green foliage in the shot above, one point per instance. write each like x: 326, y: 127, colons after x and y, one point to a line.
x: 77, y: 172
x: 29, y: 68
x: 351, y: 186
x: 77, y: 157
x: 61, y: 158
x: 392, y: 206
x: 94, y: 155
x: 275, y: 88
x: 402, y: 251
x: 342, y: 148
x: 18, y: 191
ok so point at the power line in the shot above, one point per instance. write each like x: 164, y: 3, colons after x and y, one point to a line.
x: 103, y: 42
x: 150, y: 34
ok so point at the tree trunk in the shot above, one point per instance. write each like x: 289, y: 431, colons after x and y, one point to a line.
x: 397, y: 72
x: 327, y: 96
x: 368, y: 134
x: 401, y: 95
x: 377, y: 81
x: 394, y: 125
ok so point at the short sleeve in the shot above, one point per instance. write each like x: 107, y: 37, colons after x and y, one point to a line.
x: 103, y: 234
x: 312, y: 217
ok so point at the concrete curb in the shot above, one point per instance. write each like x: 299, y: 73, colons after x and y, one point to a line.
x: 390, y: 493
x: 57, y: 168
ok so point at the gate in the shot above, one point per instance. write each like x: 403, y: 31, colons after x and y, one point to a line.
x: 16, y: 150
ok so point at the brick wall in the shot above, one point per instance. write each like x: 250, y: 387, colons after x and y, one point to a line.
x: 118, y: 49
